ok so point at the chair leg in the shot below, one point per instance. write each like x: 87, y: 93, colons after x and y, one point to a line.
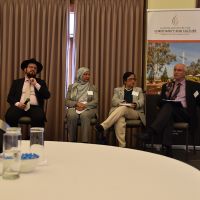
x: 194, y: 144
x: 65, y: 132
x: 98, y: 137
x: 194, y: 149
x: 25, y: 128
x: 186, y: 153
x: 152, y: 142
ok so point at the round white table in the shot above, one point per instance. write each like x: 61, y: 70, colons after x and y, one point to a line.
x: 93, y: 172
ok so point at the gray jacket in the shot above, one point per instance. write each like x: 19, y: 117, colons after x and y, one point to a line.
x: 92, y: 100
x: 118, y: 98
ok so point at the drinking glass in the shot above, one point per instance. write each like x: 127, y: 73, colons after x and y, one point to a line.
x: 37, y: 143
x: 11, y: 154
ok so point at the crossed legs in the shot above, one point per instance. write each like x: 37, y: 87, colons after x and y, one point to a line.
x: 118, y: 119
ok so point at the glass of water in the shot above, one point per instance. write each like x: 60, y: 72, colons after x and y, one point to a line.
x: 15, y: 130
x: 11, y: 154
x: 37, y: 143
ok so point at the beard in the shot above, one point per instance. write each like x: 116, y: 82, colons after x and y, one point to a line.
x: 31, y: 75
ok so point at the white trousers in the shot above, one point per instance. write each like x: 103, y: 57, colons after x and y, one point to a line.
x: 118, y: 119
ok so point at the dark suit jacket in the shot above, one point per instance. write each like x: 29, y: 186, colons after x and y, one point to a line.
x: 191, y: 100
x: 16, y: 92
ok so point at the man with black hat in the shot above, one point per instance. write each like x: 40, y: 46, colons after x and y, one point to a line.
x: 127, y: 103
x: 27, y: 95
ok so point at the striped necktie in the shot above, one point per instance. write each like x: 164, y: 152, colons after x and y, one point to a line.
x: 175, y: 93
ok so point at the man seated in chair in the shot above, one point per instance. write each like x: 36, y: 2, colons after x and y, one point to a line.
x: 188, y: 94
x: 27, y: 95
x: 127, y: 103
x: 82, y: 102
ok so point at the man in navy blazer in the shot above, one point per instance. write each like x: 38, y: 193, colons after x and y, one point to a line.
x: 31, y: 105
x: 182, y: 90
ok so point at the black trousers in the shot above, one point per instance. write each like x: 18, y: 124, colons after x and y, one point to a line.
x: 165, y: 119
x: 1, y: 140
x: 36, y: 113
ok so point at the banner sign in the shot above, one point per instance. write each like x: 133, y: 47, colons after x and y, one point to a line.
x: 173, y: 36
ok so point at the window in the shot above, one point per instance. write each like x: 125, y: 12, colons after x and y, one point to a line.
x: 70, y: 69
x: 71, y: 24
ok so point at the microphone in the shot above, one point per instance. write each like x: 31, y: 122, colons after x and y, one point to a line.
x: 27, y: 100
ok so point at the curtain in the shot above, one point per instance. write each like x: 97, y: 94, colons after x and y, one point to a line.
x: 35, y: 29
x: 197, y: 3
x: 109, y: 39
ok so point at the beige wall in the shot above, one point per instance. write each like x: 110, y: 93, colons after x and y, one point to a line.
x: 164, y: 4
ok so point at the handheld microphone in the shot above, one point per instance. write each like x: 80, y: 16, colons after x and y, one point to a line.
x: 27, y: 100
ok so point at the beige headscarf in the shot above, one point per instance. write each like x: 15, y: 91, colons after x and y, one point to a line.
x: 80, y: 87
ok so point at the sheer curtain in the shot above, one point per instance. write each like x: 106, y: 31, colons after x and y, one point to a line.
x: 109, y: 37
x: 35, y: 28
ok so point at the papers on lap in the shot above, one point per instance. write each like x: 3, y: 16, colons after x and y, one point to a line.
x: 126, y: 104
x: 79, y: 112
x: 174, y: 102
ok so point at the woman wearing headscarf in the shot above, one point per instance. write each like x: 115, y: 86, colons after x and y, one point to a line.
x: 82, y: 101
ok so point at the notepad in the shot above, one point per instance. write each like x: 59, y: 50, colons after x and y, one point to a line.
x: 126, y: 104
x: 174, y: 102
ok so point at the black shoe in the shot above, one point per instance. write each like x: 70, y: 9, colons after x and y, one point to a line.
x: 99, y: 128
x: 101, y: 139
x: 144, y: 136
x: 147, y: 135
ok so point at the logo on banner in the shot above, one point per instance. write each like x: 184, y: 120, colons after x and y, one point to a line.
x: 175, y: 21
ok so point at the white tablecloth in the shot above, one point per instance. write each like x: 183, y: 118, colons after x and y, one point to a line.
x: 94, y: 172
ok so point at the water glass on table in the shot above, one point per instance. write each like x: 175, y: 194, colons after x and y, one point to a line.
x: 16, y: 130
x: 11, y: 154
x: 37, y: 143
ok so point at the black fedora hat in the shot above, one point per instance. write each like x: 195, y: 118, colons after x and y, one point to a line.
x: 25, y: 64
